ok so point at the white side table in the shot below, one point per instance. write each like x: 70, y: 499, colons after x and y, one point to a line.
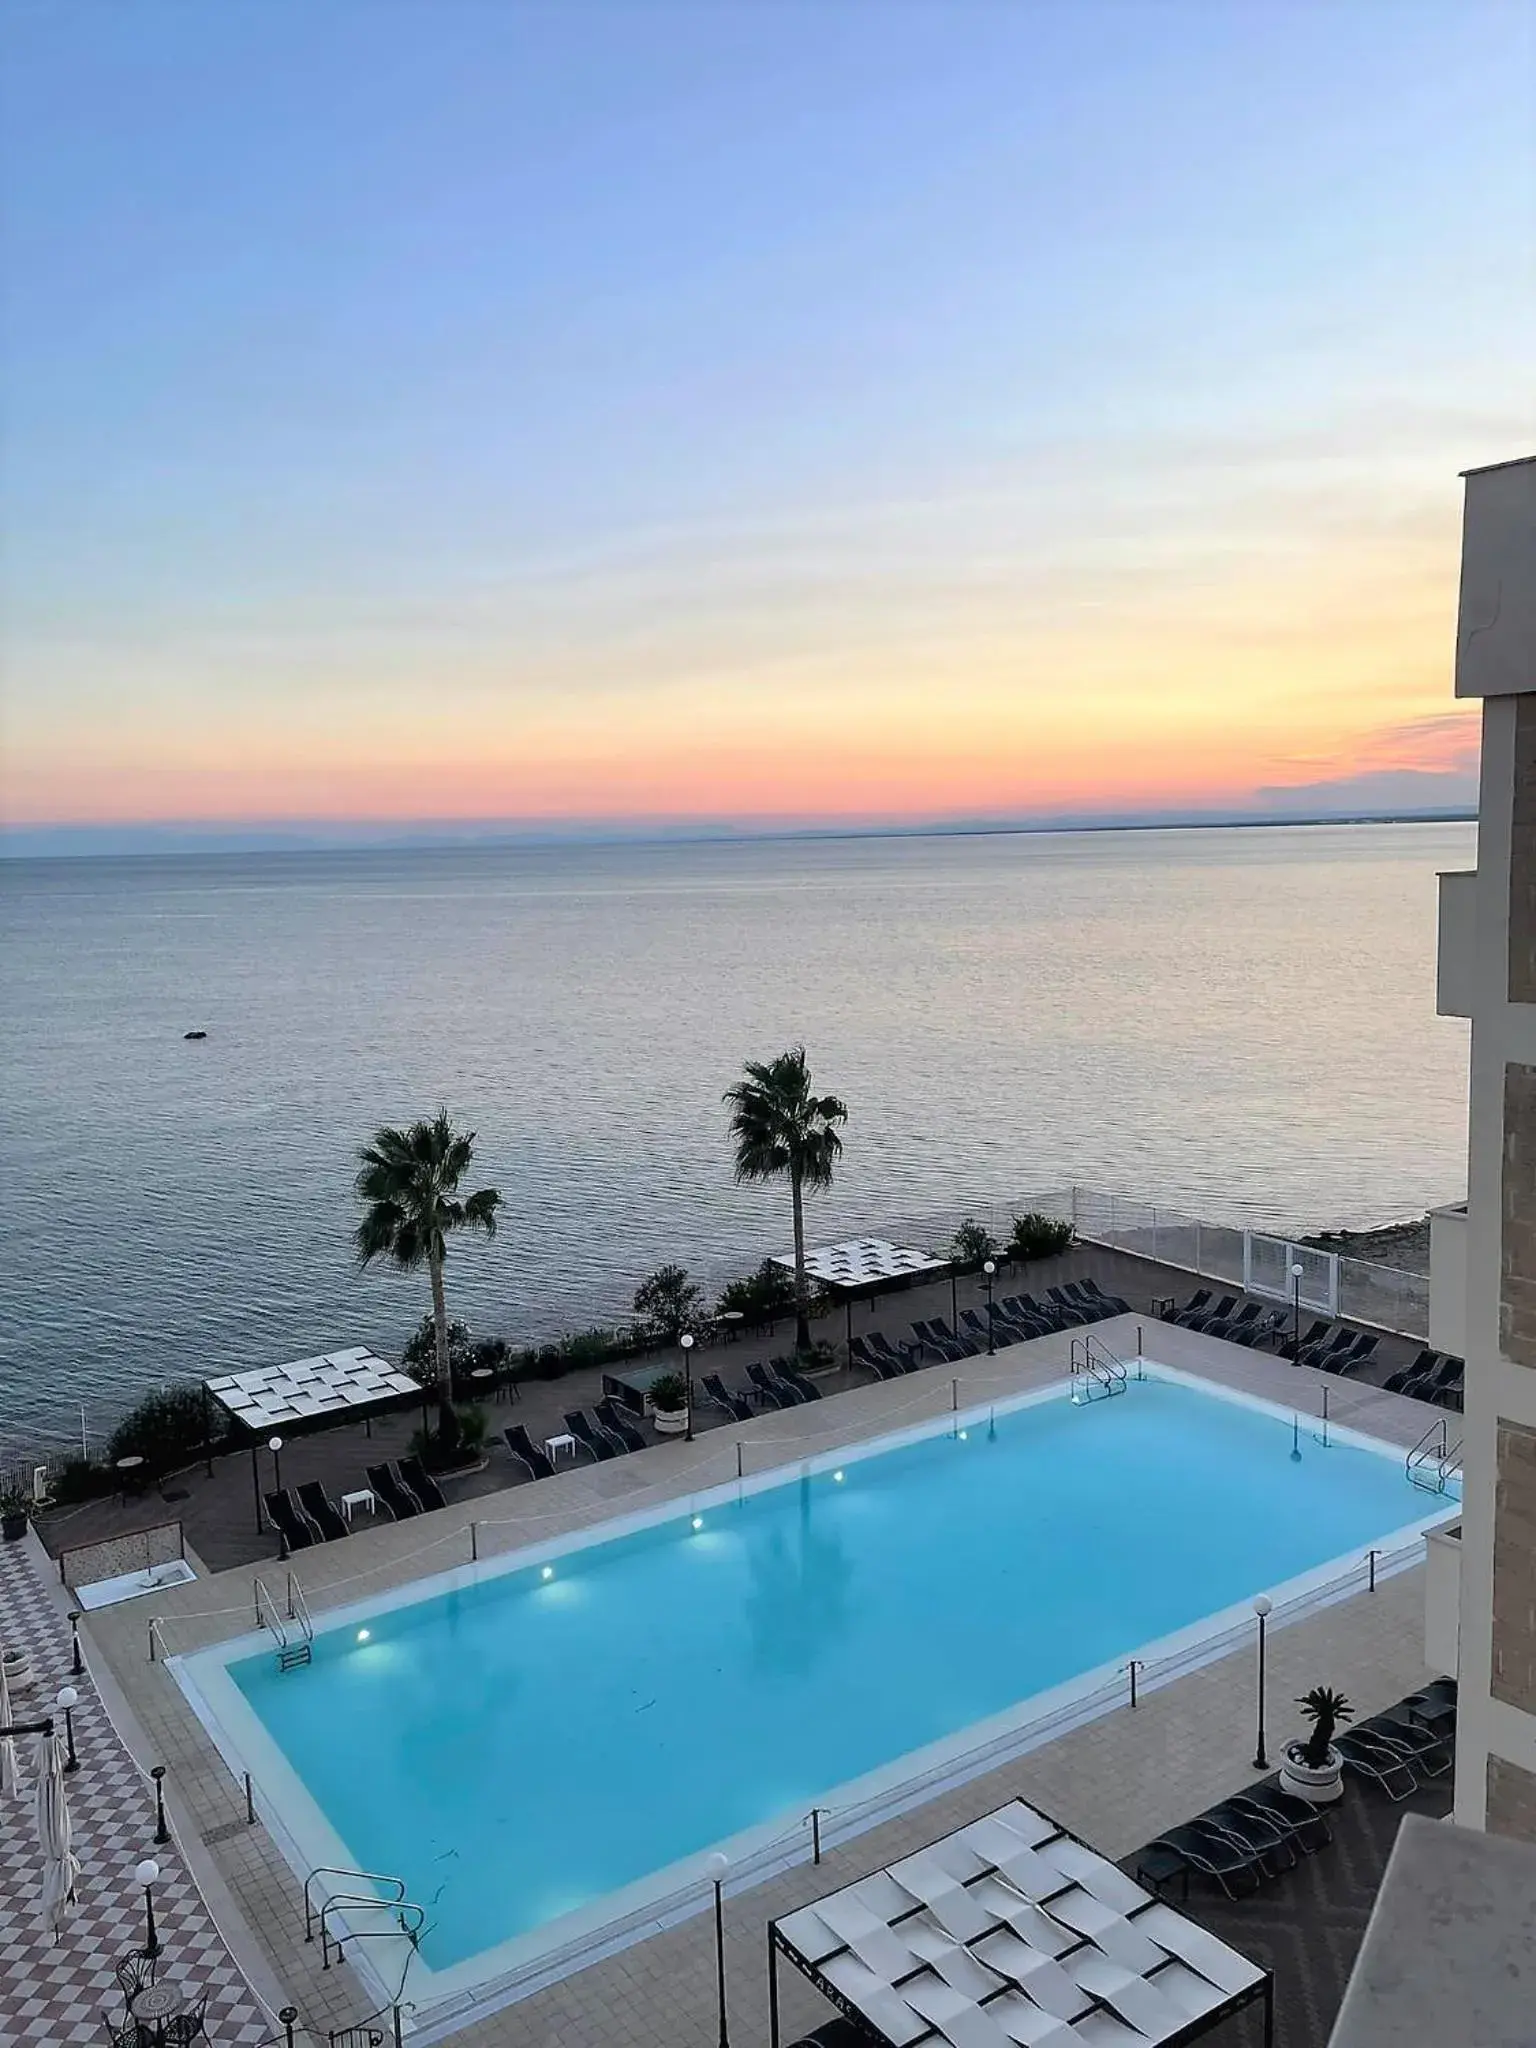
x: 363, y: 1498
x: 558, y: 1447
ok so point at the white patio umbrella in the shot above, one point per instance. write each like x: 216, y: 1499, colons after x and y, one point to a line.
x: 8, y: 1778
x: 51, y: 1811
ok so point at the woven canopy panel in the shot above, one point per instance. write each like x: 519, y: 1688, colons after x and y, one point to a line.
x: 862, y: 1261
x: 1011, y: 1931
x: 330, y: 1385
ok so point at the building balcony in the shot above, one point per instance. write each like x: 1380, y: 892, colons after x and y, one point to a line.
x: 1456, y: 958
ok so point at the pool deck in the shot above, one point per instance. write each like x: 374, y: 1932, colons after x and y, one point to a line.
x: 1115, y: 1781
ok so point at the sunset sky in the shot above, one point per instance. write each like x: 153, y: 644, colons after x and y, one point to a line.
x: 749, y: 412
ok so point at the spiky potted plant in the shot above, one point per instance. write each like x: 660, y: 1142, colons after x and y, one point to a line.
x: 669, y: 1403
x: 1313, y: 1768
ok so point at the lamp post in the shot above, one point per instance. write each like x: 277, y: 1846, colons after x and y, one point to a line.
x: 990, y: 1269
x: 717, y: 1866
x: 162, y: 1832
x: 275, y: 1446
x: 686, y: 1341
x: 1261, y: 1608
x: 67, y: 1699
x: 147, y: 1874
x: 1296, y: 1312
x: 76, y: 1662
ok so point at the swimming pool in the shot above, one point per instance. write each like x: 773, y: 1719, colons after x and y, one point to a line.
x: 544, y: 1745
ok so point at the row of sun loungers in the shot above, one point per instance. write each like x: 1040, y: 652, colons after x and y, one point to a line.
x: 1433, y: 1376
x: 1256, y: 1835
x: 306, y: 1515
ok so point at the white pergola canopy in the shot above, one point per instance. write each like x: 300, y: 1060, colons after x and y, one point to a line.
x: 863, y: 1262
x: 328, y: 1385
x: 1011, y: 1933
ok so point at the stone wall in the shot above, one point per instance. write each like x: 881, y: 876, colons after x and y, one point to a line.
x: 1511, y: 1800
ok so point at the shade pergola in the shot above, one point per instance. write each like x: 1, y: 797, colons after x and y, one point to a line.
x: 863, y: 1265
x: 861, y: 1262
x: 335, y: 1386
x: 337, y: 1383
x: 1013, y: 1933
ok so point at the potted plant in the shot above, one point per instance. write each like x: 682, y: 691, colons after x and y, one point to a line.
x: 15, y: 1506
x: 669, y: 1403
x: 1313, y: 1769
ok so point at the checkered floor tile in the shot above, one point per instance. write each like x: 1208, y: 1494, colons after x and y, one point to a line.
x: 58, y: 1994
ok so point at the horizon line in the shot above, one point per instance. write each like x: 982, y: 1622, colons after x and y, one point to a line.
x: 187, y: 840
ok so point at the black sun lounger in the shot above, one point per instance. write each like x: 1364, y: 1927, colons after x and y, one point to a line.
x: 392, y: 1490
x: 862, y: 1352
x: 290, y: 1521
x: 618, y: 1424
x: 734, y: 1404
x: 527, y: 1452
x: 1215, y: 1855
x: 421, y: 1482
x: 322, y: 1511
x: 590, y: 1433
x: 766, y: 1393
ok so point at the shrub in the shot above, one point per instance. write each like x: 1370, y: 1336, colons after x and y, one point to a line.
x: 668, y: 1303
x: 1036, y: 1236
x: 459, y: 1443
x: 818, y: 1358
x: 761, y: 1296
x: 669, y: 1391
x: 972, y: 1243
x: 166, y: 1428
x: 78, y: 1479
x: 419, y: 1358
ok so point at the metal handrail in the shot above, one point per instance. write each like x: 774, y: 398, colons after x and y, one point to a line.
x: 341, y: 1870
x: 272, y: 1619
x: 1432, y: 1444
x: 1096, y: 1364
x: 298, y: 1609
x: 398, y: 1907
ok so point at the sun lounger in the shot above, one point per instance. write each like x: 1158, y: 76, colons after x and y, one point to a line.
x: 1307, y: 1824
x: 861, y: 1352
x: 964, y: 1347
x: 766, y: 1392
x: 1196, y: 1304
x: 617, y: 1423
x: 1027, y: 1314
x: 293, y: 1526
x: 976, y: 1325
x: 1074, y: 1311
x: 421, y: 1482
x: 322, y: 1511
x: 1325, y: 1356
x: 900, y: 1357
x: 527, y: 1452
x: 1428, y: 1750
x: 591, y: 1435
x: 1261, y: 1832
x: 1206, y: 1316
x: 392, y: 1490
x: 1118, y: 1305
x: 933, y: 1339
x: 1363, y: 1348
x: 1373, y: 1758
x: 737, y: 1406
x: 1240, y: 1319
x: 794, y: 1379
x: 1423, y: 1366
x: 1217, y: 1856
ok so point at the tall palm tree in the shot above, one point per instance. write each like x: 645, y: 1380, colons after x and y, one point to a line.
x: 784, y: 1132
x: 409, y: 1186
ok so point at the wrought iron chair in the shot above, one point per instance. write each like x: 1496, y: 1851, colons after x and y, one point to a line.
x: 184, y: 2028
x: 133, y: 1974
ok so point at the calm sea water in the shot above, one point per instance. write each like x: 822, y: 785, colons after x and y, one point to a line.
x: 1240, y: 1023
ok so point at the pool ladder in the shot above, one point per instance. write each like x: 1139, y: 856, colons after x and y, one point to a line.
x: 402, y: 1915
x: 1096, y: 1372
x: 294, y: 1636
x: 1433, y: 1459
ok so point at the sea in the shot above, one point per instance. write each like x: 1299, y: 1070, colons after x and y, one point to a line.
x: 1237, y: 1023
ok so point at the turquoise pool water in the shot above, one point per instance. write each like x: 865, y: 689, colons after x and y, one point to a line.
x: 521, y: 1747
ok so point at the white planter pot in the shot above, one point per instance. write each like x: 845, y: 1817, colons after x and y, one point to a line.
x: 18, y: 1671
x: 670, y: 1421
x: 1321, y: 1786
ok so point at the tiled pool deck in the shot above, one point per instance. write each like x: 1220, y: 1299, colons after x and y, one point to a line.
x: 1116, y: 1780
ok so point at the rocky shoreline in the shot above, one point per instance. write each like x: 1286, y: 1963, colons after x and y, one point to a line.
x: 1405, y: 1244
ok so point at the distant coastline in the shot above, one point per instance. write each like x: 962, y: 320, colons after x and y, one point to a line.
x: 189, y: 842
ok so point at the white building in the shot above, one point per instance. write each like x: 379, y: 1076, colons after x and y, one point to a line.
x: 1483, y: 1260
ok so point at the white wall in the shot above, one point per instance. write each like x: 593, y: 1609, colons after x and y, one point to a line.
x: 1442, y: 1602
x: 1496, y: 621
x: 1448, y: 1280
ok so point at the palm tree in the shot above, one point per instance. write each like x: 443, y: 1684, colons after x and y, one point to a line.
x: 784, y: 1132
x: 409, y: 1186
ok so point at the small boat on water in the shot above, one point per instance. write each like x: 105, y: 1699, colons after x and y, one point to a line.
x: 194, y: 1034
